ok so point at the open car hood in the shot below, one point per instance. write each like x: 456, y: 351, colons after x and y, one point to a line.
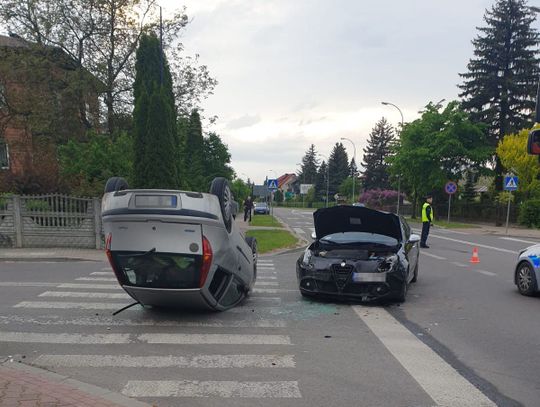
x: 345, y: 218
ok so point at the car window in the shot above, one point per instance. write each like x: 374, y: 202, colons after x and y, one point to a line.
x: 359, y: 237
x: 159, y: 270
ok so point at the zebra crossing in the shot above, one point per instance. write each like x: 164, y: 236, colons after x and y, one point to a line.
x: 176, y: 344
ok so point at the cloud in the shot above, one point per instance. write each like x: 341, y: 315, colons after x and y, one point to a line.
x: 244, y: 121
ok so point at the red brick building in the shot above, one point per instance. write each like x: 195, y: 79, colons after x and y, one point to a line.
x: 45, y: 100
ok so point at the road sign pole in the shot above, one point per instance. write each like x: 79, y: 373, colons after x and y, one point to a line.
x: 508, y: 210
x: 449, y: 203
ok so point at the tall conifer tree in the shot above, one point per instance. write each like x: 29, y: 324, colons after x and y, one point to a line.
x: 308, y: 172
x: 194, y: 153
x: 338, y: 165
x: 379, y: 147
x: 500, y: 85
x: 156, y: 140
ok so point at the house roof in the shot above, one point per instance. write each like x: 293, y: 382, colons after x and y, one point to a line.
x: 286, y: 179
x: 13, y: 41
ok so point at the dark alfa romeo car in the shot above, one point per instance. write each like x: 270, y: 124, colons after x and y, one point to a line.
x: 359, y: 253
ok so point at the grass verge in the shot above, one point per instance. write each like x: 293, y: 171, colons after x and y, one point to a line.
x: 265, y: 220
x: 268, y: 240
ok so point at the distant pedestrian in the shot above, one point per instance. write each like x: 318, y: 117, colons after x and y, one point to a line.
x: 427, y: 220
x: 248, y: 206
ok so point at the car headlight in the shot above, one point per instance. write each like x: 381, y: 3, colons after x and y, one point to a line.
x: 306, y: 261
x: 388, y: 264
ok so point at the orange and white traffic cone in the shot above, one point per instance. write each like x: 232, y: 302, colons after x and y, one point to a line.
x: 475, y: 259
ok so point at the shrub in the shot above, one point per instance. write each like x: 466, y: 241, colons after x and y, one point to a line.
x: 379, y: 198
x: 529, y: 213
x: 37, y: 205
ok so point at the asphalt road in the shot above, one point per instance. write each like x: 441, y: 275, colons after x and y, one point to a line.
x: 465, y: 337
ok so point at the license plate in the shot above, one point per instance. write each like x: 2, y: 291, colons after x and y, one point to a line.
x: 369, y: 277
x: 156, y: 201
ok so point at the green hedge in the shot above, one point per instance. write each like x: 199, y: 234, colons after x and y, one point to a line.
x: 529, y: 213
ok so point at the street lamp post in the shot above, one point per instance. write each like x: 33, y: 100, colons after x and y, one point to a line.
x: 399, y: 175
x: 352, y: 171
x: 327, y: 177
x: 272, y: 196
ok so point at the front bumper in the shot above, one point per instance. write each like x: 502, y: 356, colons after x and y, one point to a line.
x: 354, y: 286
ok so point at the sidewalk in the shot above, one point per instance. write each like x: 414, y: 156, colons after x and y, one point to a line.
x: 52, y: 254
x: 27, y: 386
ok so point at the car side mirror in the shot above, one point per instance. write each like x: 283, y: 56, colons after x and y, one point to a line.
x: 414, y: 238
x: 533, y: 144
x: 313, y: 235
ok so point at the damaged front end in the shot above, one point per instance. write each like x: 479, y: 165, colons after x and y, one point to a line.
x: 351, y: 273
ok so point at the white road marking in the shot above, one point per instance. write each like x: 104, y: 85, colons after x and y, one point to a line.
x: 107, y: 269
x: 224, y: 389
x: 81, y: 294
x: 86, y: 339
x: 195, y: 361
x: 454, y: 231
x: 456, y: 263
x: 487, y: 273
x: 312, y: 230
x: 68, y: 305
x: 264, y: 260
x: 96, y: 279
x: 265, y: 291
x: 423, y: 252
x: 265, y: 277
x: 475, y: 244
x: 298, y: 230
x: 26, y: 284
x: 115, y: 321
x: 438, y: 379
x: 90, y: 286
x: 265, y: 266
x: 518, y: 240
x: 102, y: 273
x: 267, y: 283
x: 215, y: 339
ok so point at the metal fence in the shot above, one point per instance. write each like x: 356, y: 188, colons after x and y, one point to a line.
x: 50, y: 221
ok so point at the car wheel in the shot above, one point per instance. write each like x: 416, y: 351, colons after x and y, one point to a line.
x: 221, y: 188
x: 415, y: 274
x: 525, y: 279
x: 252, y: 242
x: 116, y: 184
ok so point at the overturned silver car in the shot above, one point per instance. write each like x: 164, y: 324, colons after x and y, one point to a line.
x: 359, y: 253
x: 178, y: 248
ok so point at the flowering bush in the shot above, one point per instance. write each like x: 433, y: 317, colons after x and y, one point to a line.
x: 379, y: 198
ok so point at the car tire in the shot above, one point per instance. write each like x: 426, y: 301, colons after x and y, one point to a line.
x: 525, y: 279
x: 220, y: 187
x: 415, y: 273
x: 115, y: 184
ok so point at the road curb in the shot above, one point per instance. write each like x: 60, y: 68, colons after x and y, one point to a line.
x: 90, y: 389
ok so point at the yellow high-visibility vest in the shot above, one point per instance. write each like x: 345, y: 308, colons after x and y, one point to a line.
x: 424, y: 213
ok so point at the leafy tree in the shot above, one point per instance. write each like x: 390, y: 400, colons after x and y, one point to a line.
x: 156, y: 141
x: 216, y: 159
x: 308, y: 172
x: 86, y: 166
x: 310, y: 196
x: 338, y: 164
x: 345, y: 189
x: 379, y: 148
x: 102, y: 36
x: 240, y: 190
x: 278, y: 196
x: 437, y: 147
x: 500, y: 85
x: 512, y: 150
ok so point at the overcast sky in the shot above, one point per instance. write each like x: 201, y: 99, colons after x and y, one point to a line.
x: 292, y: 73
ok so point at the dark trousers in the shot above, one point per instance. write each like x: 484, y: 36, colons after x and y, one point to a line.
x: 425, y: 233
x: 247, y: 214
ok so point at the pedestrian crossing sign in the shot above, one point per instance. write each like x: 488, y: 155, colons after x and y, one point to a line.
x: 272, y: 184
x: 510, y: 183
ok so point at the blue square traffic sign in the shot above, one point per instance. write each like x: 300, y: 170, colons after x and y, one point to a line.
x: 510, y: 183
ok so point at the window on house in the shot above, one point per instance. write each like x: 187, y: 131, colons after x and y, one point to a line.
x: 4, y: 155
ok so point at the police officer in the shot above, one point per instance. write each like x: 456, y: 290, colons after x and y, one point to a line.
x: 248, y: 205
x: 427, y: 220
